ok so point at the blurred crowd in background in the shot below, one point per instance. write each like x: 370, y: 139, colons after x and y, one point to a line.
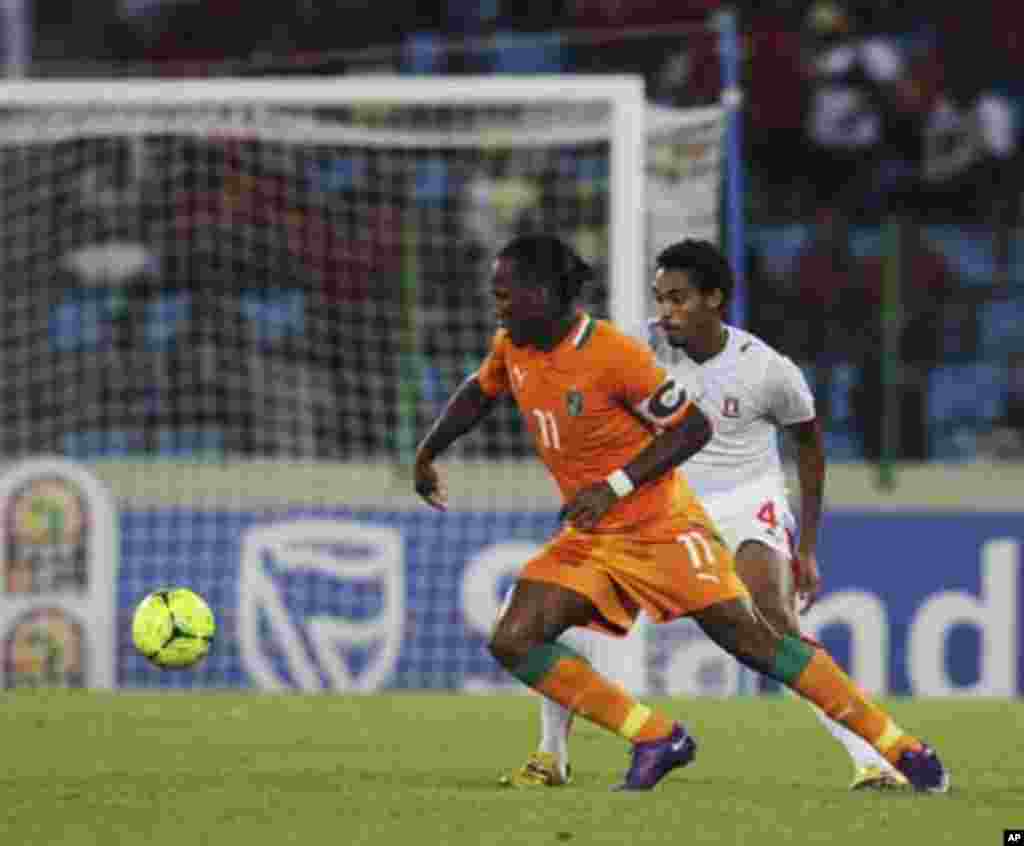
x: 870, y: 130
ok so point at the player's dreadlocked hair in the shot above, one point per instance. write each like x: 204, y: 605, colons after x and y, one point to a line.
x: 705, y: 263
x: 546, y: 260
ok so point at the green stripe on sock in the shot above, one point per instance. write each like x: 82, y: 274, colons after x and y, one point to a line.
x: 540, y: 660
x: 791, y: 658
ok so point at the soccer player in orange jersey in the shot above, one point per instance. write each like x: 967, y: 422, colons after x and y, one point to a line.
x: 612, y: 427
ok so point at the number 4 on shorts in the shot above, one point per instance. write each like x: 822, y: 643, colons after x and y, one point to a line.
x: 766, y: 514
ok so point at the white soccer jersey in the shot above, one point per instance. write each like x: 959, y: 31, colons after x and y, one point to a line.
x: 747, y: 391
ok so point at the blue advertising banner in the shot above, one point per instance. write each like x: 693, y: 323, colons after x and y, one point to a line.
x: 363, y: 600
x: 927, y: 604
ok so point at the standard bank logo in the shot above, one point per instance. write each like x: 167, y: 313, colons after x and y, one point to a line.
x: 322, y: 605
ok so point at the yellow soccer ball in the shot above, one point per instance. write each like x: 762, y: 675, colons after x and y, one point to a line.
x: 173, y: 627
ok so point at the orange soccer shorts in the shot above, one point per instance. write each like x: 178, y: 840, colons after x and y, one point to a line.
x: 625, y: 574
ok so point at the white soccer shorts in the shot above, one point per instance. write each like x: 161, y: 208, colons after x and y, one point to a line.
x: 757, y: 511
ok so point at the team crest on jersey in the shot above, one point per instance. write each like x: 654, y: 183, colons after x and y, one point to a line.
x: 731, y: 407
x: 574, y: 403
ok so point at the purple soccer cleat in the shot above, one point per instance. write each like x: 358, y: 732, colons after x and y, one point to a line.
x: 655, y: 760
x: 924, y: 770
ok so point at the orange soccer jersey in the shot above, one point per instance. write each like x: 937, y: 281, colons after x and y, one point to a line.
x: 585, y: 402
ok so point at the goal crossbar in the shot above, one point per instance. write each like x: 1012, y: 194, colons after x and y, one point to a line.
x: 623, y: 94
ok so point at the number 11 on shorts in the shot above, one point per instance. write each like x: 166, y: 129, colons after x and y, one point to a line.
x: 700, y: 553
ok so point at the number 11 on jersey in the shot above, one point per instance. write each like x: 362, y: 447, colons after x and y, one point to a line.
x: 548, y: 426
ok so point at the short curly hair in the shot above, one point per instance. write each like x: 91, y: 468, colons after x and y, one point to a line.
x: 708, y: 268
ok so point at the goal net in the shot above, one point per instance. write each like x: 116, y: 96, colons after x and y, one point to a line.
x: 239, y: 303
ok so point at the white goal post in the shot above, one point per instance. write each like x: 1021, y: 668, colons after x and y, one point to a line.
x: 59, y: 140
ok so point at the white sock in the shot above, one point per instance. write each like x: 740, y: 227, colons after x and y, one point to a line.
x: 556, y: 721
x: 862, y: 752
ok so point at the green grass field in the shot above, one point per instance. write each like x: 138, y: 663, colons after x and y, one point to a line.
x: 85, y: 768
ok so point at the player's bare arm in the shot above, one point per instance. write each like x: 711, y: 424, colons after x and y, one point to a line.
x: 467, y: 407
x: 667, y: 451
x: 810, y: 462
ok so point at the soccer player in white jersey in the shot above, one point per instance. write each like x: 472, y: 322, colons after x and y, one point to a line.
x: 750, y: 392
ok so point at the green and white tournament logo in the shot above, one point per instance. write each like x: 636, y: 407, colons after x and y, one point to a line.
x: 58, y: 576
x: 574, y: 403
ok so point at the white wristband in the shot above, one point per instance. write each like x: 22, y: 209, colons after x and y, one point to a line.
x: 620, y: 483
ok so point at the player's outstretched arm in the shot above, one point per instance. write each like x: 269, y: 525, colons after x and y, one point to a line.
x: 467, y: 407
x: 667, y: 451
